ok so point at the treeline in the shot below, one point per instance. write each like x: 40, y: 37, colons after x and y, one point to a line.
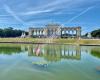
x: 10, y: 32
x: 96, y: 33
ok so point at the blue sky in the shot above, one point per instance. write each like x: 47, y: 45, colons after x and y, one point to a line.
x: 22, y: 14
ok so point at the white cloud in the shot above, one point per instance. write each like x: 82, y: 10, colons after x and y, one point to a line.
x: 53, y: 6
x: 12, y: 13
x: 4, y: 15
x: 35, y: 12
x: 80, y: 14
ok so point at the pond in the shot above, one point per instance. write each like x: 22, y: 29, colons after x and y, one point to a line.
x: 49, y: 62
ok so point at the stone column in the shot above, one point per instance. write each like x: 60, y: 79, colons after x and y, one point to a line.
x: 36, y: 32
x: 61, y: 33
x: 45, y: 30
x: 30, y: 32
x: 51, y: 32
x: 68, y: 33
x: 33, y: 32
x: 72, y: 33
x: 41, y: 32
x: 78, y: 32
x: 64, y: 31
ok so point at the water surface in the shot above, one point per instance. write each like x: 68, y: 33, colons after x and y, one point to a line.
x: 49, y: 62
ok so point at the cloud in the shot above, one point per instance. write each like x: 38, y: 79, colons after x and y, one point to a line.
x: 80, y: 14
x: 41, y: 12
x: 41, y: 9
x: 54, y: 6
x: 39, y: 22
x: 49, y: 7
x: 12, y: 13
x: 35, y: 12
x: 4, y: 15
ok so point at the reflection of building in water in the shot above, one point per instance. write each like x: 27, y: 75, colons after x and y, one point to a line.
x: 55, y: 52
x: 93, y: 50
x: 71, y: 52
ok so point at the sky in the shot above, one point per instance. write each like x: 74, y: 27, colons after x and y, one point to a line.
x: 22, y: 14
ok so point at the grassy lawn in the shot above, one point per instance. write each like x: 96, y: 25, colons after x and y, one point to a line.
x: 47, y: 40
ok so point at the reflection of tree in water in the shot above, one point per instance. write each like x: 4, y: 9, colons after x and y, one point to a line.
x: 11, y: 49
x: 95, y: 52
x: 56, y: 52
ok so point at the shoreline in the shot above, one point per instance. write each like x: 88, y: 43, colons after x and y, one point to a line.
x: 49, y: 43
x: 60, y: 41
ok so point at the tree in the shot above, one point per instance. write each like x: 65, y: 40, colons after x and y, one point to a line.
x: 96, y: 33
x: 10, y: 32
x: 1, y: 33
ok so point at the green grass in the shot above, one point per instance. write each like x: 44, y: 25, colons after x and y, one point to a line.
x: 47, y: 40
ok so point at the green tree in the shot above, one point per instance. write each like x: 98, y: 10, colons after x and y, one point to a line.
x: 10, y: 32
x: 1, y: 33
x: 96, y: 33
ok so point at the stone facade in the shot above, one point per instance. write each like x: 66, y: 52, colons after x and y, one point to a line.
x: 55, y: 30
